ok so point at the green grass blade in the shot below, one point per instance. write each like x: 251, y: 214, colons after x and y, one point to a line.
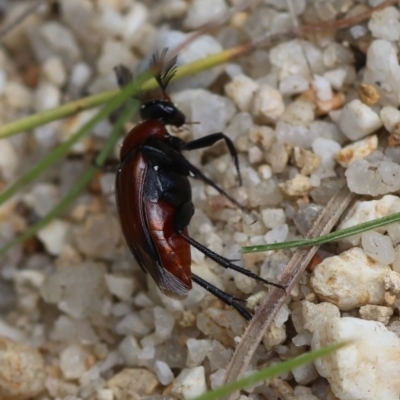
x: 33, y: 121
x: 270, y: 372
x: 63, y: 148
x: 82, y: 183
x: 330, y: 237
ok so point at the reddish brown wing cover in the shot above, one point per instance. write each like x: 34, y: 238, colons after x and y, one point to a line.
x: 148, y: 229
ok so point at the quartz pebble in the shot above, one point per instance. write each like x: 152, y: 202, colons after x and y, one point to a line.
x: 22, y: 371
x: 376, y: 313
x: 199, y: 12
x: 163, y: 372
x: 54, y: 236
x: 54, y: 71
x: 357, y: 151
x: 268, y: 104
x: 387, y: 73
x: 385, y: 24
x: 190, y: 383
x: 77, y: 290
x: 378, y: 246
x: 364, y: 211
x: 373, y: 178
x: 241, y: 91
x: 300, y: 185
x: 375, y: 347
x: 197, y: 351
x: 273, y: 217
x: 350, y: 280
x: 91, y: 243
x: 316, y: 315
x: 358, y: 120
x: 73, y: 362
x: 132, y: 383
x: 120, y: 286
x: 9, y: 160
x: 293, y: 84
x: 390, y: 117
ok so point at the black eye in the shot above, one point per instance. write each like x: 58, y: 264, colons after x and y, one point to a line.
x: 164, y: 111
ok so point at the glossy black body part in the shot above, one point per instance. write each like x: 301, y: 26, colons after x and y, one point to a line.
x: 153, y: 195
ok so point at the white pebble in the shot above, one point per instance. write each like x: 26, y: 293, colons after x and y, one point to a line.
x: 129, y: 349
x: 273, y: 217
x: 384, y: 24
x: 322, y: 88
x: 80, y: 74
x: 202, y: 11
x: 357, y: 151
x: 386, y: 73
x: 9, y: 160
x: 46, y: 96
x: 390, y: 117
x: 77, y: 290
x: 190, y: 383
x: 294, y: 57
x: 73, y: 362
x: 54, y: 236
x: 376, y: 349
x: 255, y: 155
x: 132, y: 324
x: 42, y: 198
x: 373, y: 178
x: 114, y: 52
x: 350, y: 280
x: 241, y: 91
x: 278, y: 234
x: 201, y: 47
x: 22, y: 371
x: 268, y: 104
x: 358, y: 120
x: 120, y: 286
x: 305, y: 374
x: 376, y: 313
x: 133, y: 21
x: 217, y: 378
x: 315, y: 315
x: 199, y: 104
x: 61, y: 41
x: 293, y: 84
x: 17, y: 95
x: 264, y: 171
x: 299, y: 112
x: 378, y: 246
x: 304, y: 338
x: 163, y: 372
x: 54, y: 71
x: 197, y: 351
x: 364, y: 211
x: 336, y: 77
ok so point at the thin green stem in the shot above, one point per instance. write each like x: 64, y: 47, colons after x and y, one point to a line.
x: 271, y: 372
x: 66, y: 110
x: 63, y: 148
x: 330, y: 237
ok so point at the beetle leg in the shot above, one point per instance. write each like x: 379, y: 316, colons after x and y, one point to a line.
x: 226, y: 298
x: 208, y: 141
x: 178, y: 159
x: 224, y: 262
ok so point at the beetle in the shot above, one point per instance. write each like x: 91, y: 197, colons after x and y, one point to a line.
x: 153, y: 193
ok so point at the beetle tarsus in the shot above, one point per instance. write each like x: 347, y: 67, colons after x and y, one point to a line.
x: 226, y: 298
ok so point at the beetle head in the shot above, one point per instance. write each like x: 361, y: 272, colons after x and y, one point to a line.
x: 163, y: 110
